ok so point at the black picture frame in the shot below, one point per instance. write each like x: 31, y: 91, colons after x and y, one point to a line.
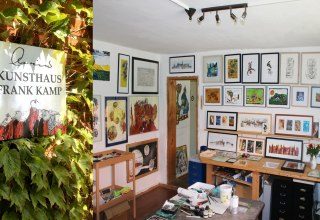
x: 219, y: 120
x: 269, y: 63
x: 293, y: 166
x: 246, y: 70
x: 182, y: 64
x: 280, y: 148
x: 236, y: 79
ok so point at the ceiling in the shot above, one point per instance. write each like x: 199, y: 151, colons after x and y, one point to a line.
x: 163, y: 27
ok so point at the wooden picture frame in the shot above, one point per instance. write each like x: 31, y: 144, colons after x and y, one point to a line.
x: 212, y: 69
x: 269, y: 68
x: 315, y: 97
x: 310, y: 67
x: 212, y: 95
x: 232, y: 68
x: 97, y: 119
x: 295, y: 125
x: 222, y: 141
x: 250, y: 68
x: 252, y: 146
x: 222, y: 120
x: 182, y: 64
x: 255, y: 96
x: 289, y: 68
x: 181, y: 160
x: 123, y: 73
x: 293, y: 166
x: 256, y: 123
x: 288, y: 149
x: 233, y: 95
x: 278, y: 97
x: 300, y: 96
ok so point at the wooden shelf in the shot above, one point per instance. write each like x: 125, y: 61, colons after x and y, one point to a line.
x: 218, y: 174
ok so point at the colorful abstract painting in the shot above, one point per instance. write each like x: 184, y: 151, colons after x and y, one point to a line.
x: 101, y: 67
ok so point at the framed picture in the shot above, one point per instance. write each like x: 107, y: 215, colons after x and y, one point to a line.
x: 300, y: 96
x: 315, y: 97
x: 145, y: 76
x: 222, y: 120
x: 310, y: 68
x: 143, y: 114
x: 269, y: 68
x: 181, y: 161
x: 116, y: 120
x: 297, y: 125
x: 293, y: 166
x: 146, y: 158
x: 123, y: 73
x: 250, y: 68
x: 252, y: 146
x: 284, y: 148
x: 96, y: 121
x: 101, y: 67
x: 222, y: 141
x: 306, y: 157
x: 212, y: 95
x: 254, y: 96
x: 182, y: 64
x: 233, y: 95
x: 315, y: 130
x: 232, y: 68
x: 254, y: 122
x: 212, y: 69
x: 278, y: 96
x: 289, y: 68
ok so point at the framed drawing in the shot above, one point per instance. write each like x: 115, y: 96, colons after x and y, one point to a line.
x: 222, y: 120
x: 181, y: 160
x: 254, y: 122
x: 299, y: 96
x: 212, y: 69
x: 96, y: 121
x: 123, y: 73
x: 250, y: 68
x: 254, y: 96
x: 296, y: 125
x: 293, y: 166
x: 233, y: 95
x: 222, y: 141
x: 146, y: 158
x: 278, y: 96
x: 182, y: 64
x: 289, y: 68
x: 145, y: 76
x: 315, y: 97
x: 101, y: 67
x: 310, y: 68
x: 269, y: 68
x: 306, y: 157
x: 143, y: 114
x: 116, y: 120
x: 212, y: 95
x: 284, y: 148
x: 252, y: 146
x: 232, y: 68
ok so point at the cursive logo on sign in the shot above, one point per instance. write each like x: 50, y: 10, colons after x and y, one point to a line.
x: 17, y: 59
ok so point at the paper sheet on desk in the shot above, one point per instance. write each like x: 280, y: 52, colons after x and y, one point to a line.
x: 217, y: 206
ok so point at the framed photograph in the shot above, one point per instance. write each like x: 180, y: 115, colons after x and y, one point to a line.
x: 145, y: 76
x: 123, y: 73
x: 289, y: 68
x: 212, y: 95
x: 284, y: 148
x: 222, y: 120
x: 293, y: 166
x: 269, y: 68
x: 315, y: 97
x: 254, y: 123
x: 233, y: 95
x: 254, y: 96
x: 232, y: 68
x: 96, y: 121
x: 181, y: 160
x: 212, y: 69
x: 310, y: 68
x: 252, y: 146
x: 300, y: 96
x: 101, y: 67
x: 182, y: 64
x: 250, y: 68
x: 222, y: 141
x: 146, y: 158
x: 116, y: 120
x: 306, y: 157
x: 296, y: 125
x: 278, y: 96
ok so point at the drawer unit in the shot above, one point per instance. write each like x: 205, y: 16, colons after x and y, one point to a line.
x: 303, y: 201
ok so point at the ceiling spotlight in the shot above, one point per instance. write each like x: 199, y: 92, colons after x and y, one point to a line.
x: 201, y: 18
x: 233, y: 16
x: 217, y: 18
x: 244, y: 14
x: 190, y: 12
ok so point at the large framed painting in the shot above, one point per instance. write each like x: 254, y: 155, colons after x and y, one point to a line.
x: 101, y: 67
x: 233, y: 95
x: 287, y: 149
x: 300, y: 96
x: 252, y: 146
x: 222, y: 141
x: 222, y: 120
x: 254, y: 122
x: 254, y: 96
x: 123, y: 73
x: 269, y: 68
x: 212, y: 95
x: 96, y: 121
x: 116, y: 120
x: 232, y: 68
x: 250, y: 68
x: 310, y: 68
x: 181, y: 161
x: 289, y: 68
x: 315, y: 97
x: 143, y: 114
x: 146, y: 158
x: 182, y: 64
x: 296, y: 125
x: 278, y: 96
x: 145, y: 76
x: 212, y: 69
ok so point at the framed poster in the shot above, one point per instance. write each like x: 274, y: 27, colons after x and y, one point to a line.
x: 212, y: 95
x: 284, y: 148
x: 296, y: 125
x: 116, y: 120
x: 145, y: 76
x: 269, y: 68
x: 278, y: 96
x: 310, y: 68
x: 300, y: 96
x: 146, y: 158
x: 252, y: 146
x: 315, y: 97
x: 182, y: 64
x: 123, y: 73
x: 254, y: 96
x: 101, y: 67
x: 254, y: 122
x: 222, y: 120
x: 289, y: 68
x: 212, y: 69
x: 96, y: 121
x: 250, y: 68
x: 222, y: 141
x: 233, y: 95
x: 181, y: 161
x: 232, y: 68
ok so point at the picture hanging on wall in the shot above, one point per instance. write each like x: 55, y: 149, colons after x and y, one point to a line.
x: 182, y: 64
x: 101, y: 67
x: 212, y: 95
x: 278, y: 96
x: 222, y: 120
x: 269, y: 68
x: 300, y: 96
x: 181, y: 161
x: 310, y: 68
x: 182, y: 100
x: 254, y: 122
x: 315, y: 97
x: 212, y: 69
x: 254, y: 96
x: 250, y: 68
x: 233, y: 95
x: 252, y: 146
x: 96, y: 124
x: 315, y: 129
x: 288, y: 149
x: 296, y: 125
x: 289, y: 68
x: 222, y: 141
x: 123, y: 73
x: 232, y: 68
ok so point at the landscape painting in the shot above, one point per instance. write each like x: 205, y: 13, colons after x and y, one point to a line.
x: 278, y: 96
x: 101, y: 67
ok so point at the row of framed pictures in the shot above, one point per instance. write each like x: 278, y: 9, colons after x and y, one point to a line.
x: 261, y: 96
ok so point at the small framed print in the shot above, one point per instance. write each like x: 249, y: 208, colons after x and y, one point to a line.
x: 250, y: 68
x: 252, y: 146
x: 289, y: 68
x: 278, y: 96
x: 212, y: 95
x: 232, y: 68
x: 123, y: 73
x: 284, y: 148
x: 212, y: 69
x: 233, y: 95
x: 269, y: 68
x: 293, y: 166
x: 254, y: 96
x: 96, y: 121
x: 310, y: 68
x: 299, y: 96
x: 296, y: 125
x: 315, y: 97
x: 222, y: 120
x: 222, y: 141
x: 254, y: 122
x: 182, y: 64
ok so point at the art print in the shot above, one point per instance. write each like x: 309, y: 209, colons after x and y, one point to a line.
x: 212, y: 69
x: 289, y: 68
x: 310, y: 68
x: 252, y: 146
x: 233, y: 95
x: 297, y: 125
x: 212, y: 95
x: 96, y: 121
x: 254, y: 122
x: 181, y: 161
x: 222, y: 120
x: 299, y: 96
x: 101, y: 67
x: 182, y: 64
x: 183, y: 99
x: 254, y: 96
x: 270, y: 68
x: 123, y: 73
x: 284, y: 148
x: 222, y: 141
x: 315, y: 130
x: 250, y: 68
x: 278, y: 96
x: 232, y: 68
x: 315, y: 97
